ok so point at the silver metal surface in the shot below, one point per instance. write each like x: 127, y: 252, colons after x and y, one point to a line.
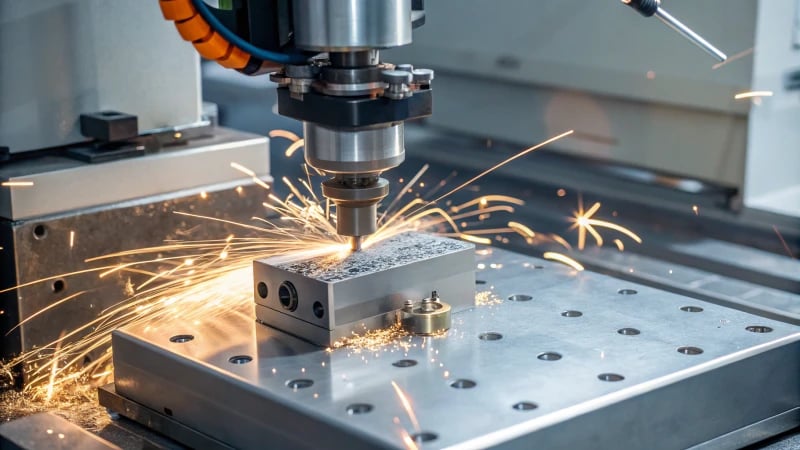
x: 86, y: 56
x: 48, y: 431
x: 348, y: 25
x: 538, y: 373
x: 370, y: 150
x: 63, y: 184
x: 689, y: 34
x: 340, y: 293
x: 356, y: 203
x: 47, y: 246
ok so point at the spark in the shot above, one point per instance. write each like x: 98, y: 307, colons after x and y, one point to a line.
x: 251, y: 174
x: 297, y: 142
x: 291, y: 149
x: 475, y: 239
x: 53, y: 371
x: 406, y: 405
x: 71, y: 239
x: 372, y: 340
x: 286, y: 134
x: 733, y: 58
x: 562, y: 258
x: 504, y: 162
x: 487, y: 298
x: 561, y: 192
x: 203, y: 195
x: 620, y: 245
x: 752, y: 94
x: 523, y: 230
x: 783, y: 242
x: 696, y: 210
x: 484, y: 201
x: 17, y: 183
x: 560, y: 240
x: 583, y: 221
x: 408, y: 440
x: 199, y: 280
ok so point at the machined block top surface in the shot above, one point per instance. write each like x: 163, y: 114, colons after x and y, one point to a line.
x: 400, y: 250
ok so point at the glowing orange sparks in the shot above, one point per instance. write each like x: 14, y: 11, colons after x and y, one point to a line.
x: 733, y: 58
x: 17, y: 184
x: 583, y: 221
x: 564, y: 259
x: 522, y: 230
x: 406, y: 405
x: 475, y: 239
x: 286, y: 134
x: 294, y: 147
x: 504, y: 162
x: 753, y: 94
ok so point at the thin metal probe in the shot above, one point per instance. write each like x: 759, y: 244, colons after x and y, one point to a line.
x: 670, y: 21
x: 649, y: 8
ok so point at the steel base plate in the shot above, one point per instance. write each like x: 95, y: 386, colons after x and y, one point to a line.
x: 549, y: 358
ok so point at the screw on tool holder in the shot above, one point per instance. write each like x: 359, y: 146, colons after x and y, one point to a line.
x: 429, y: 316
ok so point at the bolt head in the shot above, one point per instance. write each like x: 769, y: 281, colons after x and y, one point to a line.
x: 422, y: 75
x: 396, y: 77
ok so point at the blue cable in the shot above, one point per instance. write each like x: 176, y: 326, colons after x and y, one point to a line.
x: 216, y: 25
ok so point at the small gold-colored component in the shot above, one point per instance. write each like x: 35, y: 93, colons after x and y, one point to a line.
x: 427, y: 317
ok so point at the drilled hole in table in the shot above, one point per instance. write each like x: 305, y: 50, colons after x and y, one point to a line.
x: 300, y: 383
x: 520, y: 298
x: 693, y: 309
x: 571, y: 313
x: 480, y: 281
x: 690, y: 350
x: 549, y: 356
x: 359, y: 408
x: 525, y: 406
x: 490, y: 336
x: 425, y: 436
x: 628, y: 331
x: 463, y: 384
x: 759, y: 329
x: 610, y: 377
x: 181, y: 338
x: 405, y: 363
x: 627, y: 292
x: 240, y: 359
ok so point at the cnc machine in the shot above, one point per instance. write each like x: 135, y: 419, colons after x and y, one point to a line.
x: 428, y: 337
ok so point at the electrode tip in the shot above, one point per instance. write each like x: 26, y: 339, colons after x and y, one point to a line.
x: 355, y: 243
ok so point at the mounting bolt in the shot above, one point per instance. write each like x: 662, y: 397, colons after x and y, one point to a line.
x: 426, y: 317
x: 422, y: 77
x: 398, y: 82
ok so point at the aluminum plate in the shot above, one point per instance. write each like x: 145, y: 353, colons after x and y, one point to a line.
x: 465, y: 391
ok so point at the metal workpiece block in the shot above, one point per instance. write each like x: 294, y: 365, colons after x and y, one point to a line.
x: 325, y: 298
x: 547, y: 358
